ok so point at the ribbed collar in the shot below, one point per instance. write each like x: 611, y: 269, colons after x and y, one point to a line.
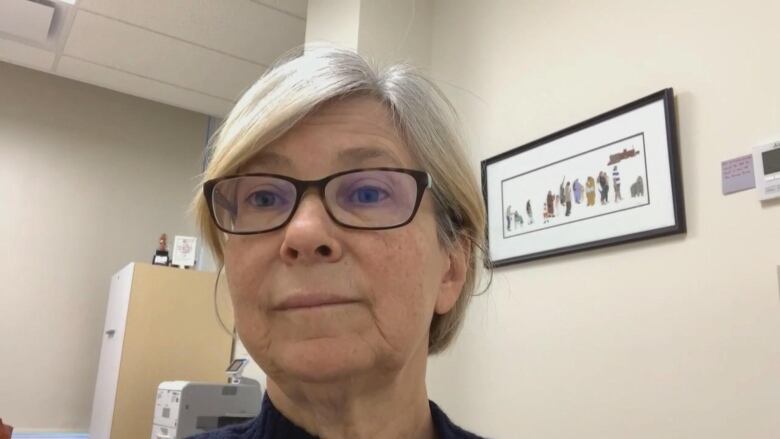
x: 271, y: 424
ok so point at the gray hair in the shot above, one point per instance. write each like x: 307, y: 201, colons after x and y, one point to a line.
x: 299, y: 83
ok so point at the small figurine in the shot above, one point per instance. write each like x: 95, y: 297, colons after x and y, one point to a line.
x: 6, y: 431
x: 161, y: 256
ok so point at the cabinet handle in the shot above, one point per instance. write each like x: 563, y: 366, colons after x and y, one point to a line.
x: 111, y: 332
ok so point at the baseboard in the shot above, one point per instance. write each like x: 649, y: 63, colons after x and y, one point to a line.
x: 49, y: 435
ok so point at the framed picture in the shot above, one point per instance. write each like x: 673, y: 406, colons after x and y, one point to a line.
x: 184, y: 251
x: 612, y: 179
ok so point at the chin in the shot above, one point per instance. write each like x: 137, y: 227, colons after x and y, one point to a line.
x: 325, y: 360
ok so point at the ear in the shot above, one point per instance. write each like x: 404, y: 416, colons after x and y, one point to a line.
x: 453, y: 278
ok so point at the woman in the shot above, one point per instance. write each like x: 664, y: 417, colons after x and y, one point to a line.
x: 604, y: 184
x: 550, y: 204
x: 342, y: 206
x: 577, y: 189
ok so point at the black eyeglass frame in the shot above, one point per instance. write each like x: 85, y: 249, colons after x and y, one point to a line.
x: 423, y: 179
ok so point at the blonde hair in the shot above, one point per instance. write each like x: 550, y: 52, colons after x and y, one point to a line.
x: 300, y: 82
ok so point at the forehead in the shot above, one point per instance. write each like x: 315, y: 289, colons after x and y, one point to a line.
x: 343, y: 134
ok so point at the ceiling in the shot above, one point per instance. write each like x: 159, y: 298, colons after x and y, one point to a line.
x: 194, y: 54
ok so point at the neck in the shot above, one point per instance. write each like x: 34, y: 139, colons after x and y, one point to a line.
x: 388, y: 406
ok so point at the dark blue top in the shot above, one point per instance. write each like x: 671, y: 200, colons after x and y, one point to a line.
x: 271, y: 424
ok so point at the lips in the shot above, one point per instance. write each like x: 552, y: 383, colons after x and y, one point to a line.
x: 304, y: 301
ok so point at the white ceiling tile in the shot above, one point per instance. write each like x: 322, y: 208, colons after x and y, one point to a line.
x: 142, y: 87
x: 26, y: 19
x: 24, y: 55
x: 241, y: 28
x: 121, y: 46
x: 294, y: 7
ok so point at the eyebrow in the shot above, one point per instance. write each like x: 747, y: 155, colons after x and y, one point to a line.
x: 358, y: 155
x: 352, y: 157
x: 270, y: 158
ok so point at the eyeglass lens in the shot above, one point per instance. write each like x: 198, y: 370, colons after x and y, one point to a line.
x: 363, y: 199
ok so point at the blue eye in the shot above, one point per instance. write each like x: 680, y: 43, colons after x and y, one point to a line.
x: 367, y: 195
x: 264, y: 199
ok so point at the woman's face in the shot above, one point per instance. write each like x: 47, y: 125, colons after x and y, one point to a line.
x: 388, y: 283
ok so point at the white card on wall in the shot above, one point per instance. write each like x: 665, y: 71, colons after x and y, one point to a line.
x: 737, y: 174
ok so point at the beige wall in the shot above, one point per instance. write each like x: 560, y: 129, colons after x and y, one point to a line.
x: 670, y: 338
x: 394, y: 31
x: 333, y: 21
x: 89, y: 178
x: 385, y: 31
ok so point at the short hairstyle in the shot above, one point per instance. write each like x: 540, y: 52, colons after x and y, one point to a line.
x: 308, y: 77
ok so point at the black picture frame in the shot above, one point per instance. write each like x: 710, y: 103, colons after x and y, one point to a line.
x: 638, y: 140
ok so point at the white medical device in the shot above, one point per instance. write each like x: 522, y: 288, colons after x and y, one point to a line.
x: 185, y: 408
x: 766, y: 167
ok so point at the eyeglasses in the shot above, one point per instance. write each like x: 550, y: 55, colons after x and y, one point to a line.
x: 368, y: 199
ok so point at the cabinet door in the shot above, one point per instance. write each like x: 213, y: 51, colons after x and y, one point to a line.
x: 171, y: 335
x: 111, y: 353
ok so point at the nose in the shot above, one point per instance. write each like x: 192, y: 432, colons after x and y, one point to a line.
x: 309, y: 236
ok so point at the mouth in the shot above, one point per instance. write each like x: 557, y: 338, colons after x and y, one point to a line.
x: 312, y: 301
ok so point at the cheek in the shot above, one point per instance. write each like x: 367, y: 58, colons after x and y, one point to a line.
x: 404, y: 286
x: 246, y: 262
x: 246, y: 258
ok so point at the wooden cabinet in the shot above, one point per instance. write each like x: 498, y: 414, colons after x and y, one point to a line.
x: 160, y: 326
